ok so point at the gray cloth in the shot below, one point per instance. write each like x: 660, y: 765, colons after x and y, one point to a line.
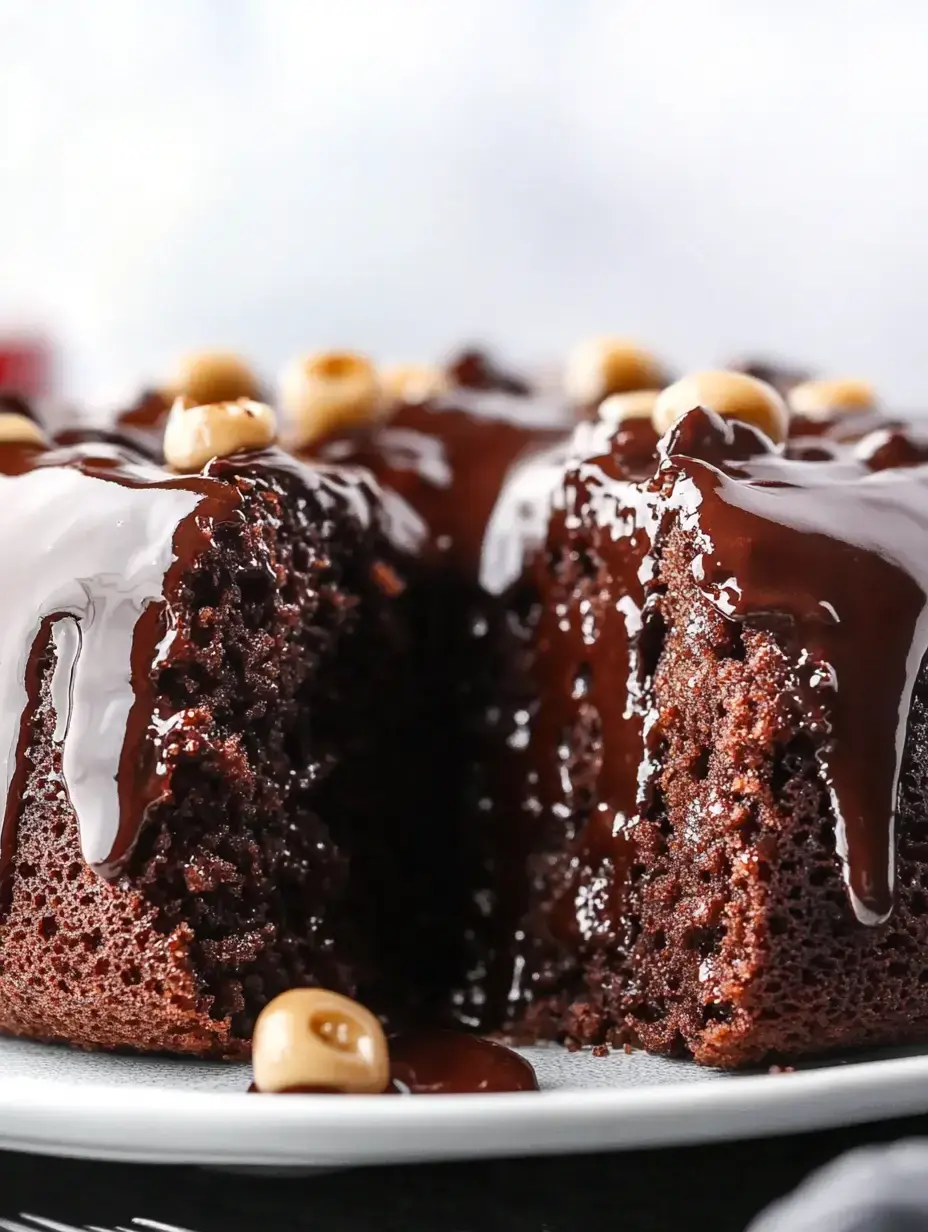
x: 876, y: 1189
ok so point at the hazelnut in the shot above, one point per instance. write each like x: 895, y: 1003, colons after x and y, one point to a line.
x: 732, y: 394
x: 194, y: 434
x: 20, y: 430
x: 413, y: 382
x: 637, y: 404
x: 329, y: 390
x: 602, y: 366
x: 310, y: 1037
x: 206, y: 377
x: 817, y: 399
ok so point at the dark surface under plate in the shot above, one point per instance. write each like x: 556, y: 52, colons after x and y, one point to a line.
x: 719, y: 1187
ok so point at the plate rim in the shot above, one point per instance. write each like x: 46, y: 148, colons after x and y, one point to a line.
x: 174, y: 1125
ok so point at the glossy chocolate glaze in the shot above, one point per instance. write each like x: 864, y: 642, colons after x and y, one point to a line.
x: 103, y: 542
x: 112, y: 535
x: 821, y: 543
x: 583, y: 736
x: 449, y: 458
x: 828, y: 555
x: 452, y: 1063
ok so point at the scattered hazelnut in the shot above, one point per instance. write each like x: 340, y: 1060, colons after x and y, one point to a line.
x: 207, y: 377
x: 20, y: 430
x: 637, y: 404
x: 601, y: 366
x: 413, y: 382
x: 732, y: 394
x: 310, y: 1037
x: 194, y: 434
x: 817, y: 399
x: 329, y: 390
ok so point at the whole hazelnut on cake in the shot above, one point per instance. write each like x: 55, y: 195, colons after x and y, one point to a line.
x: 819, y: 399
x: 327, y: 391
x: 601, y: 366
x: 733, y: 395
x: 313, y: 1039
x: 195, y: 434
x: 16, y: 429
x: 207, y: 377
x: 413, y: 382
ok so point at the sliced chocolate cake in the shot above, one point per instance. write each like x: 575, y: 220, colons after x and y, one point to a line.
x: 598, y: 717
x: 208, y: 740
x: 722, y: 785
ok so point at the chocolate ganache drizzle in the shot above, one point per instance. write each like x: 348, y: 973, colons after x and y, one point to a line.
x: 100, y: 537
x: 103, y: 541
x: 582, y: 730
x: 822, y: 544
x: 829, y: 555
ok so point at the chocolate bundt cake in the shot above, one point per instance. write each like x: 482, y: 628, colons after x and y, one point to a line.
x: 209, y: 727
x: 691, y: 690
x: 595, y: 716
x: 722, y: 781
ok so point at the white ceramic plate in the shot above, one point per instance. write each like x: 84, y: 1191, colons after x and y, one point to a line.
x: 61, y: 1102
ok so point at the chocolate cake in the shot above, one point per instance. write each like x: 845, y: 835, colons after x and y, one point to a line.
x: 485, y: 716
x: 209, y: 722
x: 722, y: 784
x: 688, y: 705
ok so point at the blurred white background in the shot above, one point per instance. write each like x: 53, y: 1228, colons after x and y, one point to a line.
x: 404, y: 175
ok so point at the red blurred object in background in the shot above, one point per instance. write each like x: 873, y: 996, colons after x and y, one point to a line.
x: 26, y: 365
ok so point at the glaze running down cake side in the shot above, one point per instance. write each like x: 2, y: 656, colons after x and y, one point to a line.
x: 729, y: 726
x: 208, y: 710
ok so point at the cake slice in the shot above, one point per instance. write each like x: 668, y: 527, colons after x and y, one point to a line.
x: 723, y: 784
x: 209, y: 720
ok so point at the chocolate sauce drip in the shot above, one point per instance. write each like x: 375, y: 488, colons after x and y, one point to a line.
x: 584, y: 741
x: 451, y: 1063
x: 97, y: 596
x: 435, y: 1062
x: 830, y: 555
x: 103, y: 542
x: 808, y: 541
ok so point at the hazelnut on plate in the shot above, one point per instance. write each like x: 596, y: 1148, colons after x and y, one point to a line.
x: 316, y: 1039
x: 597, y: 367
x: 329, y: 390
x: 638, y: 404
x: 818, y: 399
x: 206, y: 377
x: 413, y: 382
x: 195, y: 434
x: 20, y: 430
x: 730, y: 394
